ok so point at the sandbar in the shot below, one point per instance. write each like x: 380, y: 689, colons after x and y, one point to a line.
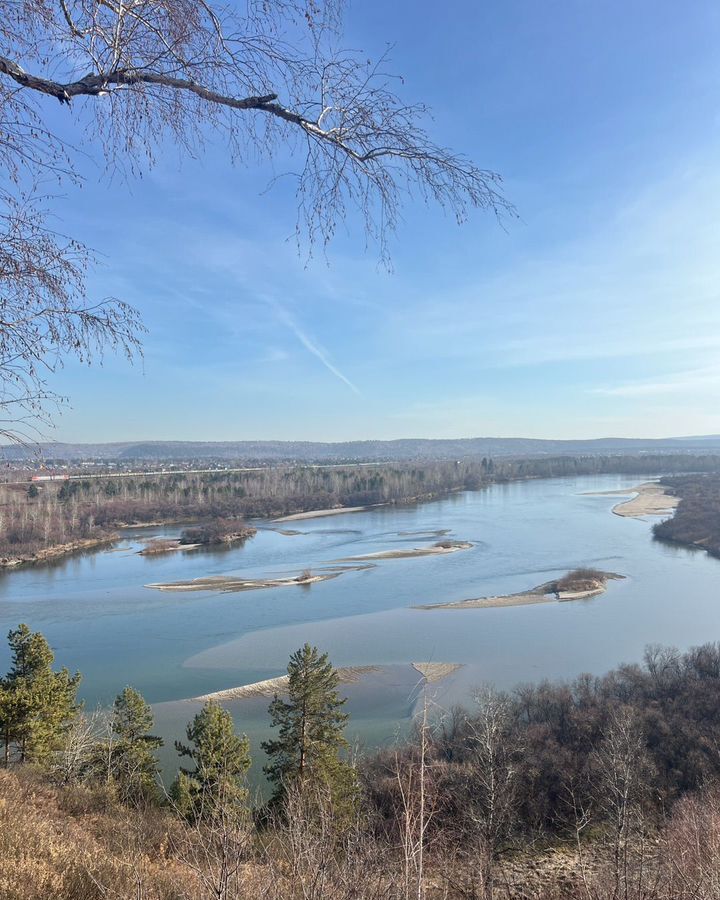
x: 272, y: 686
x: 447, y: 547
x: 543, y: 593
x: 651, y: 499
x: 223, y: 583
x: 316, y: 513
x: 230, y: 583
x: 433, y: 672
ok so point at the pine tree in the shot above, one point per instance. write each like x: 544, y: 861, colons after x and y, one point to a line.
x: 12, y: 712
x: 133, y: 765
x: 310, y: 738
x: 36, y: 703
x: 216, y: 785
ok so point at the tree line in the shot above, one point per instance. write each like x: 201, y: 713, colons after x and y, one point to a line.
x: 696, y: 521
x: 42, y: 722
x: 35, y: 518
x: 603, y: 787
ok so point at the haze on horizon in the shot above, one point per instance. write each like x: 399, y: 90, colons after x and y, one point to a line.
x: 595, y: 314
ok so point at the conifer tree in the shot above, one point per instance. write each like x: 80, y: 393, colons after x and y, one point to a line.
x: 216, y: 784
x: 310, y: 727
x: 36, y: 703
x: 11, y: 714
x: 134, y: 767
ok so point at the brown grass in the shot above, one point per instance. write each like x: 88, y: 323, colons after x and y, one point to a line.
x: 78, y: 844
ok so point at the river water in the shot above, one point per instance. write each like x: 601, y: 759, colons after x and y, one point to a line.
x: 101, y: 619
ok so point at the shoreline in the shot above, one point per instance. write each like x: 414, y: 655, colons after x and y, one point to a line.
x: 651, y: 499
x: 404, y: 501
x: 50, y: 554
x: 318, y: 513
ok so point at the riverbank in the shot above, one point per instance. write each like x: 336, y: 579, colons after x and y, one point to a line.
x: 577, y: 585
x: 317, y: 513
x: 696, y: 522
x: 33, y: 516
x: 652, y: 499
x: 50, y: 554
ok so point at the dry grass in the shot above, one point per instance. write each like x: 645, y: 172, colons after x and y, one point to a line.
x: 73, y: 843
x: 77, y: 844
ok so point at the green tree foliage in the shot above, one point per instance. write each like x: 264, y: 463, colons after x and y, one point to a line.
x: 36, y: 703
x: 310, y: 727
x: 133, y: 765
x: 221, y: 760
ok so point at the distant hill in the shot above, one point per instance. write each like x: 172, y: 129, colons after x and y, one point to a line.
x: 370, y: 451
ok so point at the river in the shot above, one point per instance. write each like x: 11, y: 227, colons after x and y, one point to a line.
x: 101, y: 619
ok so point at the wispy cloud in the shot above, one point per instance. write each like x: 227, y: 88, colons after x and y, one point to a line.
x: 310, y: 345
x: 694, y: 381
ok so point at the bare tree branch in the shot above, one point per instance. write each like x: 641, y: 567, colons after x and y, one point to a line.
x: 188, y: 68
x: 266, y: 76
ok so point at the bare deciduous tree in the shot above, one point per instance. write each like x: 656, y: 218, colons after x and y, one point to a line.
x: 418, y: 793
x: 258, y: 72
x: 80, y: 756
x: 45, y: 316
x: 620, y: 765
x: 311, y: 854
x: 267, y: 77
x: 492, y: 784
x: 690, y: 848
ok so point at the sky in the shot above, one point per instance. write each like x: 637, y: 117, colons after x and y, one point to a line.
x: 594, y: 313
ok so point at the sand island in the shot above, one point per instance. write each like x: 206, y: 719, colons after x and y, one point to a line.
x: 579, y: 584
x: 438, y: 548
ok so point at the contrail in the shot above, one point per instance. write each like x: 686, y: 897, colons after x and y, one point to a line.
x: 311, y: 346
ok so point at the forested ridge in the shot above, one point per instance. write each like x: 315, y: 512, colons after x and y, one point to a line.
x: 36, y: 517
x: 603, y: 787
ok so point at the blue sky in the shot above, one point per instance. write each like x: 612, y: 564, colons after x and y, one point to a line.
x: 595, y: 313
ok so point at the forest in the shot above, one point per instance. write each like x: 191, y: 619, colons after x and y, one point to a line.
x: 603, y: 787
x: 37, y: 517
x: 696, y: 521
